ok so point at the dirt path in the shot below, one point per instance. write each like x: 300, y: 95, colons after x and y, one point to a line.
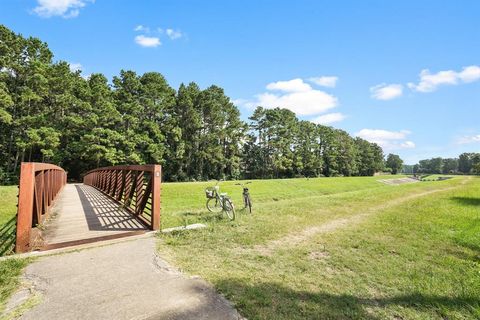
x: 292, y: 239
x: 126, y: 280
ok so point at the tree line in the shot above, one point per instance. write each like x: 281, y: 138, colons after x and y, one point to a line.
x: 466, y: 163
x: 50, y: 113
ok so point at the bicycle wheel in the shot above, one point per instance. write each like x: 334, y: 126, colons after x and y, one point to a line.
x: 214, y: 205
x: 249, y: 203
x: 229, y: 209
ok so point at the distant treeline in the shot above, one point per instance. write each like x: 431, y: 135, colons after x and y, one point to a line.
x: 466, y: 163
x: 52, y: 114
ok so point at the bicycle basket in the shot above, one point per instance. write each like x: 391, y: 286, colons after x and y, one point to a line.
x: 210, y: 192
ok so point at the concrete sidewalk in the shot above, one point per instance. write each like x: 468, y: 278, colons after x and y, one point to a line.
x: 125, y: 280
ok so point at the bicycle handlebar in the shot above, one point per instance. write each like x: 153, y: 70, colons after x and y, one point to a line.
x: 242, y: 184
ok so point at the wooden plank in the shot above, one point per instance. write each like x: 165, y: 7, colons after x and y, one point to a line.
x: 90, y: 240
x: 156, y: 196
x: 126, y: 184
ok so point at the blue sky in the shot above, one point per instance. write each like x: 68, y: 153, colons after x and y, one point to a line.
x: 405, y: 74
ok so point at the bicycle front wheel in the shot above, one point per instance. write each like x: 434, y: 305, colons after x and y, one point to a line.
x: 214, y: 205
x: 229, y: 209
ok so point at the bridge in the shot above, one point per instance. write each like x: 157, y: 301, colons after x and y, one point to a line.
x: 112, y: 202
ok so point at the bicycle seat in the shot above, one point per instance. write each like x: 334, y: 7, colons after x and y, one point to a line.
x: 223, y: 194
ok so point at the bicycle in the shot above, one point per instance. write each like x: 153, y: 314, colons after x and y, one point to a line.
x: 219, y: 202
x: 247, y: 201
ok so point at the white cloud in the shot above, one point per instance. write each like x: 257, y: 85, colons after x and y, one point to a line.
x: 74, y: 67
x: 325, y: 81
x: 469, y: 74
x: 173, y: 34
x: 141, y: 28
x: 469, y: 139
x: 407, y: 145
x: 64, y: 8
x: 145, y: 41
x: 329, y: 118
x: 244, y: 103
x: 388, y: 140
x: 295, y: 85
x: 430, y: 82
x: 386, y: 91
x: 295, y: 95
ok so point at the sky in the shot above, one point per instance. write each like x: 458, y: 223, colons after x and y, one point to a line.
x: 404, y: 74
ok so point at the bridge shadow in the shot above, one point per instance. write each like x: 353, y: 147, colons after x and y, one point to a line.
x: 104, y: 214
x: 7, y: 237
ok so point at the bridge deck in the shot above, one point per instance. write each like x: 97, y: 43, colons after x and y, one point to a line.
x: 83, y: 214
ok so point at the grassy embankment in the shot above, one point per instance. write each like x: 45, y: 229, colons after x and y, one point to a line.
x: 337, y: 248
x: 8, y: 210
x: 11, y: 269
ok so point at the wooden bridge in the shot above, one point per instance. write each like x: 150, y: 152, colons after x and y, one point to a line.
x: 111, y: 202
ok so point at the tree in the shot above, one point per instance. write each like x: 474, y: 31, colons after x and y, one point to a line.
x: 465, y: 163
x: 475, y: 163
x: 370, y: 157
x: 449, y: 165
x: 50, y: 113
x: 394, y: 163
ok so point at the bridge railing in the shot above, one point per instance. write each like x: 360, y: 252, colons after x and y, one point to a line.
x: 135, y: 187
x: 39, y: 184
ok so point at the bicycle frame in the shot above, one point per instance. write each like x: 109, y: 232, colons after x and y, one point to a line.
x: 245, y: 194
x: 222, y: 201
x: 220, y: 198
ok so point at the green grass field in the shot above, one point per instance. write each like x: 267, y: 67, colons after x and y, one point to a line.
x: 326, y: 248
x: 337, y: 248
x: 185, y: 202
x: 8, y: 211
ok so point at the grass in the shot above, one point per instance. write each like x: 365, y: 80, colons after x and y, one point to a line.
x: 337, y: 248
x: 185, y: 202
x: 8, y: 211
x: 327, y: 248
x: 10, y: 271
x: 435, y: 177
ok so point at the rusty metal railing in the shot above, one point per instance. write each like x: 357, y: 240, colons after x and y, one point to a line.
x: 39, y: 184
x: 136, y: 187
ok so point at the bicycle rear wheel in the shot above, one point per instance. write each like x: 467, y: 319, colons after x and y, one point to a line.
x: 248, y: 203
x: 229, y: 209
x: 214, y: 205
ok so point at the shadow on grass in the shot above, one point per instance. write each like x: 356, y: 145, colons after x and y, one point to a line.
x: 272, y: 300
x: 7, y: 237
x: 470, y: 201
x: 200, y: 217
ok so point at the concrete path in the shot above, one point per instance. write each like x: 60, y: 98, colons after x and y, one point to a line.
x: 126, y: 280
x: 82, y: 212
x: 399, y: 181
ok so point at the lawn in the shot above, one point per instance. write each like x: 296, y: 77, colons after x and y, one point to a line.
x: 10, y: 271
x: 8, y: 211
x: 337, y: 248
x: 185, y: 202
x: 326, y: 248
